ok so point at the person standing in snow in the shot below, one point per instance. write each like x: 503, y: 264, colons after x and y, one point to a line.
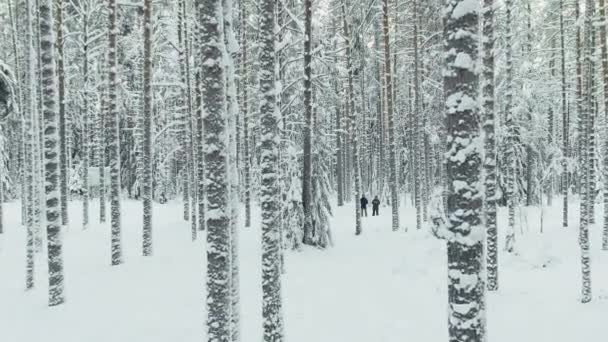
x: 363, y: 205
x: 375, y: 206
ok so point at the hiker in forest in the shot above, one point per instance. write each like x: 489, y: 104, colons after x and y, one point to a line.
x: 375, y: 206
x: 363, y: 205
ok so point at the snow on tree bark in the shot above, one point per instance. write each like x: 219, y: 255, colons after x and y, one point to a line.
x: 586, y: 119
x: 565, y: 152
x: 63, y: 152
x: 232, y: 111
x: 102, y: 140
x: 352, y: 118
x: 245, y: 110
x: 184, y: 118
x: 511, y: 131
x: 29, y: 137
x: 216, y: 174
x: 466, y: 283
x: 604, y: 48
x: 113, y: 135
x: 391, y: 121
x: 272, y: 315
x: 310, y: 237
x: 51, y: 155
x: 86, y: 121
x: 416, y: 119
x: 147, y: 118
x: 489, y: 144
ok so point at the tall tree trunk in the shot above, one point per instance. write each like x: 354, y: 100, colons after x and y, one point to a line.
x: 113, y: 122
x: 245, y: 110
x: 511, y: 132
x: 579, y: 102
x: 466, y: 284
x: 85, y: 117
x: 216, y: 175
x: 489, y: 144
x: 529, y: 150
x: 232, y: 111
x: 416, y: 118
x: 309, y: 233
x: 29, y: 110
x: 391, y: 120
x: 186, y: 171
x: 604, y: 48
x: 352, y: 118
x: 102, y: 142
x: 272, y: 315
x: 565, y: 123
x: 147, y: 117
x: 63, y: 152
x: 51, y: 155
x: 586, y: 154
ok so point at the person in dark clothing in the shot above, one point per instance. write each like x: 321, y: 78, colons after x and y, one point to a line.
x: 375, y: 206
x: 363, y: 205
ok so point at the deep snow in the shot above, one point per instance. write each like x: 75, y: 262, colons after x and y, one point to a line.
x: 380, y: 286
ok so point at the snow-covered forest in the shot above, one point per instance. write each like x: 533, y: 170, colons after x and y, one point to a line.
x: 187, y: 170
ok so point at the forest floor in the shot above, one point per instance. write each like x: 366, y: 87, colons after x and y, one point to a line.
x: 376, y: 287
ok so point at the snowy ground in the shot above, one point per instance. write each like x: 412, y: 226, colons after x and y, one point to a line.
x: 380, y: 286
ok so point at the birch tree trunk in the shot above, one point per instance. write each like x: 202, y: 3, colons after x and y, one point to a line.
x: 51, y: 155
x: 466, y: 284
x: 489, y: 144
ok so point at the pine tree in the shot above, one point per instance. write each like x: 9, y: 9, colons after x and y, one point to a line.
x: 51, y: 155
x: 147, y: 148
x: 113, y: 135
x: 309, y: 233
x: 391, y: 121
x: 466, y: 285
x: 269, y: 191
x: 216, y: 176
x: 489, y: 144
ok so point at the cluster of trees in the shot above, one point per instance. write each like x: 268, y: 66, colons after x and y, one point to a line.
x: 288, y: 103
